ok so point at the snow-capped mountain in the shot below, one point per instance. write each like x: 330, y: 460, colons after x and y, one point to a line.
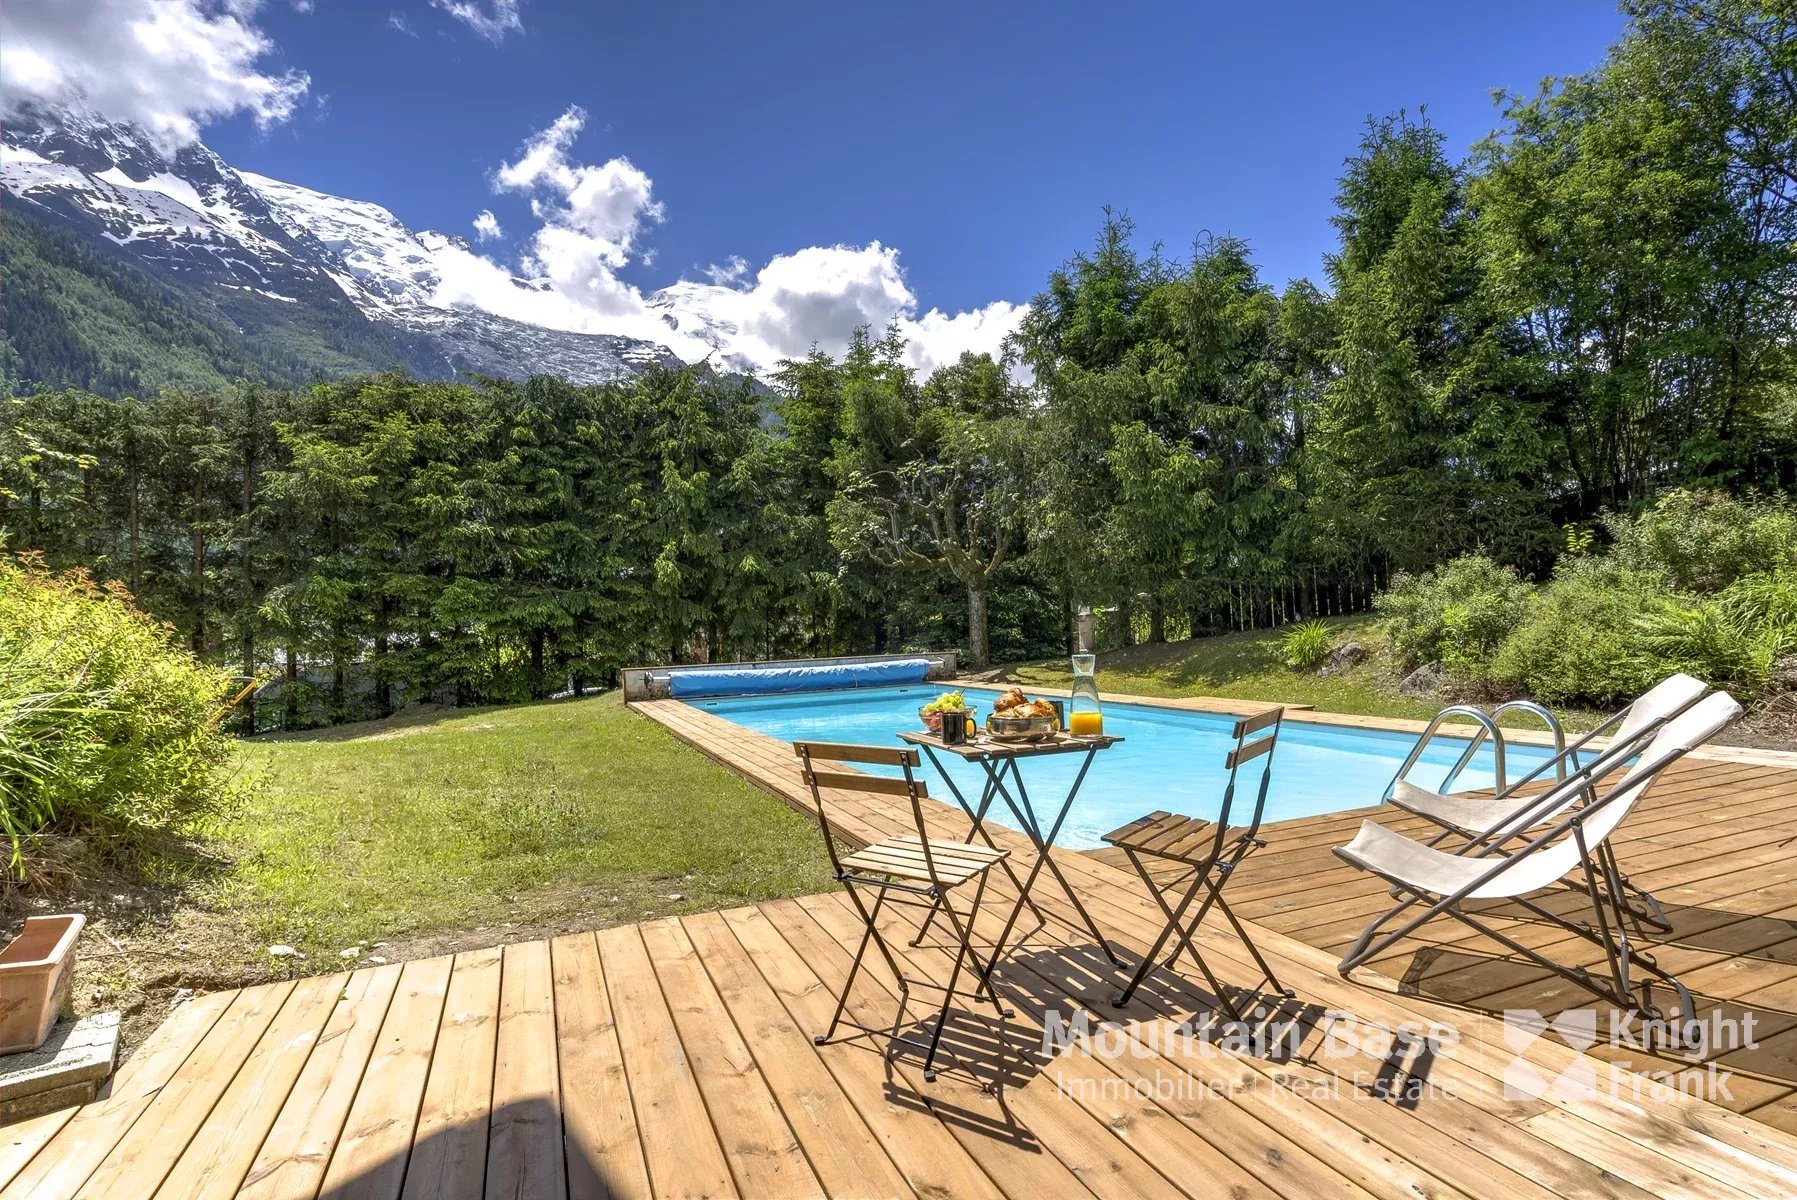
x: 395, y: 275
x: 188, y: 218
x: 383, y: 266
x: 691, y: 309
x: 185, y: 212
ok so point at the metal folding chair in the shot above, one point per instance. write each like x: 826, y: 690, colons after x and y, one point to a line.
x: 909, y: 866
x: 1208, y: 851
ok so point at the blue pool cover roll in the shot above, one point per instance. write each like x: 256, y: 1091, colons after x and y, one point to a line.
x: 746, y: 681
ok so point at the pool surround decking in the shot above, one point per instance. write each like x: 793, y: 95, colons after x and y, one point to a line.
x: 674, y: 1058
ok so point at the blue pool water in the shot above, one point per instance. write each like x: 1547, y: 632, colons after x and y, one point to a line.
x: 1170, y: 759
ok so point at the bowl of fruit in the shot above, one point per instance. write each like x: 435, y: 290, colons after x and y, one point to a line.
x: 1017, y: 718
x: 936, y: 710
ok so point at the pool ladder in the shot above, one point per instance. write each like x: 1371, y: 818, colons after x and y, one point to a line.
x: 1488, y: 730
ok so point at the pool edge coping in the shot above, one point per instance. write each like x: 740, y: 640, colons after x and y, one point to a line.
x: 1310, y: 714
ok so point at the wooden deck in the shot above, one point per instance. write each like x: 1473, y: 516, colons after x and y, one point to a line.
x: 674, y: 1058
x: 1715, y: 842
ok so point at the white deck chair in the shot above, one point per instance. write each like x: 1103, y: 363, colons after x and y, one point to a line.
x: 1484, y: 815
x: 1497, y: 818
x: 1443, y: 882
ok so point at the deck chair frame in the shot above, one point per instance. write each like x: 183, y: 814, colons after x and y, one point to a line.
x: 1599, y: 882
x: 932, y: 888
x: 1632, y: 901
x: 1637, y: 902
x: 1208, y: 860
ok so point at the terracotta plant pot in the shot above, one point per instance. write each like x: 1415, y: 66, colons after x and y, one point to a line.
x: 36, y: 969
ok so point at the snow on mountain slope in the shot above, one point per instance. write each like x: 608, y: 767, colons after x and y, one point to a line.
x: 188, y: 216
x: 694, y: 311
x: 183, y: 212
x: 128, y: 211
x: 396, y: 275
x: 389, y: 269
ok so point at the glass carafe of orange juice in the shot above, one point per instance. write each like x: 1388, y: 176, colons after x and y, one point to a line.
x: 1085, y: 716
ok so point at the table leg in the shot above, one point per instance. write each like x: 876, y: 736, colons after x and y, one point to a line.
x: 1045, y: 844
x: 978, y: 817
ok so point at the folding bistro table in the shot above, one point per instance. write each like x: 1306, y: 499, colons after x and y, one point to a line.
x: 1004, y: 781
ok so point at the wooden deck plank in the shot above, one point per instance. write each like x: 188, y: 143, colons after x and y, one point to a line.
x: 1050, y: 1151
x: 679, y: 1145
x: 1381, y: 1148
x: 369, y: 1159
x: 842, y: 1151
x: 921, y: 1147
x: 1371, y: 1136
x: 764, y: 1154
x: 20, y: 1142
x: 604, y: 1151
x: 291, y: 1162
x: 524, y: 1160
x: 71, y: 1156
x: 449, y: 1145
x: 137, y: 1165
x: 1212, y: 1139
x: 219, y: 1157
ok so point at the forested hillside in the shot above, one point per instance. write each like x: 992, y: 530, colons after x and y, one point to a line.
x: 1585, y: 311
x: 73, y: 314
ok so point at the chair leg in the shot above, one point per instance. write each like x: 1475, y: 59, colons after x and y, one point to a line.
x: 948, y: 999
x: 870, y: 934
x: 1184, y: 935
x: 985, y: 990
x: 1172, y: 914
x: 1364, y: 948
x: 1265, y: 967
x: 1636, y: 902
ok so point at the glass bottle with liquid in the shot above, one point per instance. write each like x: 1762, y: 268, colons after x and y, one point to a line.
x: 1085, y: 715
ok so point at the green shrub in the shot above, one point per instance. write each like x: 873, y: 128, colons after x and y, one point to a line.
x: 1457, y: 615
x: 1579, y: 642
x: 1767, y: 600
x: 1703, y: 541
x: 107, y: 728
x: 1305, y: 645
x: 1733, y: 639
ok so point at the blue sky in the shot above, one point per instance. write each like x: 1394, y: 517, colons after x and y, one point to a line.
x: 799, y: 169
x: 979, y: 140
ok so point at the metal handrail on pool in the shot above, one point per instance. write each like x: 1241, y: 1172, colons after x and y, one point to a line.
x: 1488, y: 729
x: 1548, y: 719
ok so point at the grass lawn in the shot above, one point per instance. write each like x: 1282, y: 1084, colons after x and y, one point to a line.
x: 1241, y: 666
x: 454, y: 819
x: 1247, y: 666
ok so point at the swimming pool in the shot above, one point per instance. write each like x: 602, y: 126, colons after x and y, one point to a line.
x: 1170, y: 758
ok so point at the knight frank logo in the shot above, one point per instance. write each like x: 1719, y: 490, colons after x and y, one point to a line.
x: 1523, y: 1027
x: 1641, y: 1057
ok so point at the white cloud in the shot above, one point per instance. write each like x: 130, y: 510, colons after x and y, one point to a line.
x: 486, y: 226
x: 592, y: 215
x: 396, y: 21
x: 592, y: 222
x: 168, y: 65
x: 821, y: 294
x: 491, y: 20
x: 938, y: 339
x: 727, y: 272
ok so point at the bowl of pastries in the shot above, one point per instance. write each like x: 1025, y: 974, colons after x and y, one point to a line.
x: 1017, y: 718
